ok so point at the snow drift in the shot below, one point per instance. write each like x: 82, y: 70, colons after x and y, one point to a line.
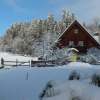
x: 75, y: 89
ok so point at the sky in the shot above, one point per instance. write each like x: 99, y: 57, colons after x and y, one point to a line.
x: 12, y: 11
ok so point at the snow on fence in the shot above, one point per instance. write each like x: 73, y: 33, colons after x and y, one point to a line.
x: 30, y: 63
x: 15, y: 63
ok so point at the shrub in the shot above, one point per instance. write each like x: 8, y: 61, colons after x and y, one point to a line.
x: 42, y: 94
x: 96, y: 79
x: 74, y: 76
x: 76, y: 98
x: 48, y: 91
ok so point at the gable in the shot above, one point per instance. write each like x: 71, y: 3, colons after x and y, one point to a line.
x: 76, y: 32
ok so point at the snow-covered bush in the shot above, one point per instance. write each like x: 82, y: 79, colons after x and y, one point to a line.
x: 92, y: 56
x: 89, y: 58
x: 74, y: 76
x: 96, y: 79
x: 95, y: 52
x: 76, y: 98
x: 48, y: 91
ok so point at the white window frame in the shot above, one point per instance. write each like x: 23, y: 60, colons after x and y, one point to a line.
x: 81, y: 43
x: 76, y: 31
x: 71, y: 43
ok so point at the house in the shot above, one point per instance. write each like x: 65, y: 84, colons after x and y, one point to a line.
x: 78, y: 37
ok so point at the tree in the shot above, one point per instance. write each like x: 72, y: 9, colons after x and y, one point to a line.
x: 22, y: 36
x: 50, y: 22
x: 67, y: 17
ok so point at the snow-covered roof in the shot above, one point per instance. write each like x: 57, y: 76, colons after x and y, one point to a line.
x: 75, y: 21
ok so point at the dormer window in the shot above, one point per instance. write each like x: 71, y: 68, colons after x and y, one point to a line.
x: 76, y: 31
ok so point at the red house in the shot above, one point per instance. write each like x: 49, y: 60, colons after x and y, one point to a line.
x: 78, y: 37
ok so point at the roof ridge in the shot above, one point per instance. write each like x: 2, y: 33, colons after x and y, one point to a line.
x: 82, y: 27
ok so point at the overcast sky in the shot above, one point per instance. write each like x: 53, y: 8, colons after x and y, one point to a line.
x: 12, y: 11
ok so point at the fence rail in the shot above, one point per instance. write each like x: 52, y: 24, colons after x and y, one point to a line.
x: 31, y: 63
x: 43, y: 63
x: 14, y: 63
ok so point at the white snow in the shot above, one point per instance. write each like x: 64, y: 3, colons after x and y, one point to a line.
x: 13, y: 57
x: 71, y: 89
x: 79, y: 64
x: 23, y: 83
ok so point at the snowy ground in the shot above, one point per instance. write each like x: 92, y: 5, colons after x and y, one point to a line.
x: 13, y: 57
x: 24, y: 83
x: 75, y: 89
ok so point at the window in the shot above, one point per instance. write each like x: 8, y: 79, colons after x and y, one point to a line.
x: 76, y: 31
x: 80, y: 43
x: 71, y: 43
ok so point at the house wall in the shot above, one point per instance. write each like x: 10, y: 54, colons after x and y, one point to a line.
x: 82, y: 35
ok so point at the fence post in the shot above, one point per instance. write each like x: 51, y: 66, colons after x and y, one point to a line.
x: 16, y: 62
x: 2, y: 62
x: 29, y: 63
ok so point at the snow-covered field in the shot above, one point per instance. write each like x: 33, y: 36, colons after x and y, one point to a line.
x: 75, y: 89
x: 25, y: 83
x: 13, y: 57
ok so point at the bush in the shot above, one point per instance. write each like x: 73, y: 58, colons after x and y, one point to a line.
x: 74, y: 76
x: 96, y: 80
x: 48, y: 91
x: 76, y: 98
x: 42, y: 94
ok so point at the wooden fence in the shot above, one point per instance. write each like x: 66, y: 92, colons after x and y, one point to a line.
x: 43, y: 63
x: 31, y: 63
x: 14, y: 63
